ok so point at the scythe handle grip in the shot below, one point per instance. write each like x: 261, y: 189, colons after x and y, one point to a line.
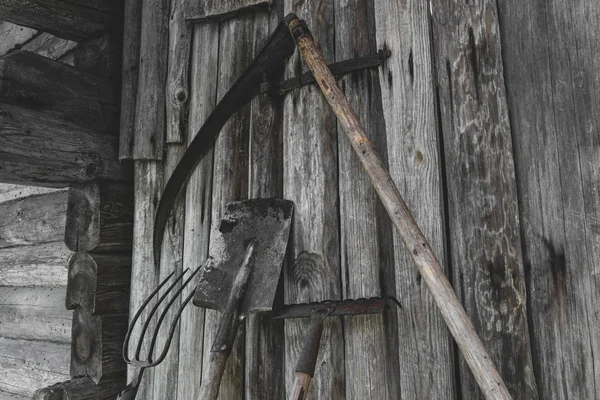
x: 476, y: 355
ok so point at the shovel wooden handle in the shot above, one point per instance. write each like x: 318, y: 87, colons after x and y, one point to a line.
x: 456, y: 318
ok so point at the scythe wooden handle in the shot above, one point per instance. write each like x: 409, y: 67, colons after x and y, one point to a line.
x: 456, y: 318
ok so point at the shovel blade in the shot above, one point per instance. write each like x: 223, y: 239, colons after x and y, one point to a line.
x: 268, y: 222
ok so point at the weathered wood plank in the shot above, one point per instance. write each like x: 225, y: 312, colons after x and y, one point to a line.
x: 39, y: 149
x: 371, y: 368
x: 73, y: 20
x: 38, y: 83
x: 407, y: 89
x: 230, y: 179
x: 33, y: 220
x: 12, y: 396
x: 96, y: 345
x: 12, y: 192
x: 149, y: 126
x: 203, y: 73
x: 100, y: 218
x: 485, y: 243
x: 218, y: 10
x: 49, y: 46
x: 265, y: 337
x: 129, y: 76
x: 34, y: 314
x: 30, y: 364
x: 13, y: 36
x: 311, y: 182
x: 81, y: 389
x: 178, y: 85
x: 44, y: 264
x: 99, y: 283
x: 551, y: 67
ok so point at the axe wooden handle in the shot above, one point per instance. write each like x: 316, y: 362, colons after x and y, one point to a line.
x: 456, y: 318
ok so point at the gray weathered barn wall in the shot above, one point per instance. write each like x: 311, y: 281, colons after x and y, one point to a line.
x: 487, y: 117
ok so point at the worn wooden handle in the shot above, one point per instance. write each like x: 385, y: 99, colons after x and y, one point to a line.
x: 212, y: 379
x: 456, y: 318
x: 301, y: 385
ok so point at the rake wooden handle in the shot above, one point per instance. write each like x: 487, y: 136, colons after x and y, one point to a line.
x: 456, y: 318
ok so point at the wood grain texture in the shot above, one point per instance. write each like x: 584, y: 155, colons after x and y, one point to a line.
x: 67, y: 19
x: 12, y: 396
x: 42, y: 150
x: 178, y: 85
x: 198, y: 199
x: 34, y: 314
x: 311, y: 182
x: 218, y: 10
x: 30, y: 364
x: 12, y: 192
x: 44, y: 264
x: 38, y: 83
x: 230, y: 180
x: 13, y: 36
x: 365, y: 238
x: 551, y: 67
x: 485, y: 242
x: 99, y: 283
x: 81, y: 389
x: 129, y: 76
x: 96, y: 345
x: 100, y: 218
x: 149, y: 126
x: 33, y: 220
x: 49, y: 46
x: 265, y: 337
x: 412, y: 145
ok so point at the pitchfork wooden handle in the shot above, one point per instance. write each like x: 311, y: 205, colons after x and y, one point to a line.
x: 456, y: 318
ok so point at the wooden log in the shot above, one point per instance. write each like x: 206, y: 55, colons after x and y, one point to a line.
x: 34, y: 313
x: 40, y: 84
x: 42, y: 150
x: 129, y: 76
x: 100, y: 218
x: 552, y: 77
x: 14, y: 36
x: 203, y: 72
x: 219, y: 10
x: 485, y: 244
x: 30, y: 364
x: 311, y: 182
x: 33, y: 220
x: 408, y: 97
x: 364, y: 234
x: 81, y: 389
x: 99, y: 283
x: 12, y: 396
x: 73, y: 20
x: 12, y: 192
x: 44, y: 264
x: 178, y: 85
x: 96, y: 345
x: 149, y: 126
x: 49, y: 46
x: 230, y: 180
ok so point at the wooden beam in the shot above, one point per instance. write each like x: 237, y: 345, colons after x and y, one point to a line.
x: 34, y: 313
x: 99, y: 283
x: 96, y: 345
x: 82, y: 389
x: 12, y: 192
x: 14, y: 36
x: 44, y: 264
x: 29, y: 364
x: 42, y: 150
x: 49, y: 46
x: 219, y: 10
x: 73, y: 20
x: 33, y: 220
x: 99, y: 218
x: 40, y: 84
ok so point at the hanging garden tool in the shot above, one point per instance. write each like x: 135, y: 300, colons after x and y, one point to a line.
x: 240, y: 277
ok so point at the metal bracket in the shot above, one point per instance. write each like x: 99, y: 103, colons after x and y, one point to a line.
x: 338, y: 69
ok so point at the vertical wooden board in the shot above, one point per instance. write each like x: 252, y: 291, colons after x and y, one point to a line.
x: 371, y: 361
x: 264, y: 335
x: 230, y: 178
x: 407, y: 88
x: 178, y: 85
x: 203, y: 75
x: 144, y: 277
x: 149, y: 126
x: 551, y: 68
x: 311, y: 182
x: 485, y: 243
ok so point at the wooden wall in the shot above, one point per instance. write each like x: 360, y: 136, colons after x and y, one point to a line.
x: 486, y: 116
